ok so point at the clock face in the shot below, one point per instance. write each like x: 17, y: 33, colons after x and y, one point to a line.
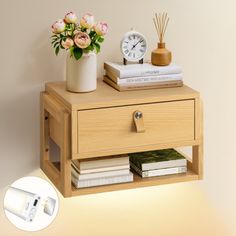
x: 133, y: 46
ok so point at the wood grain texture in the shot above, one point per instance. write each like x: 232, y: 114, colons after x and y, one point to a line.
x: 197, y: 162
x: 109, y: 128
x: 141, y: 148
x: 105, y: 96
x: 139, y: 182
x: 55, y: 123
x: 65, y: 152
x: 74, y: 132
x: 55, y: 130
x: 101, y: 123
x: 44, y: 132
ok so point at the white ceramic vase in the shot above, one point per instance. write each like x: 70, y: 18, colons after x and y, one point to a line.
x: 81, y: 75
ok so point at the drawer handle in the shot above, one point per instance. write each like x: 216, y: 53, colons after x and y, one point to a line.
x: 138, y: 121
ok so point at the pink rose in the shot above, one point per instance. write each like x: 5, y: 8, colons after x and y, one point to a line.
x: 87, y: 21
x: 70, y: 17
x: 68, y: 43
x: 82, y: 40
x: 58, y: 26
x: 101, y: 28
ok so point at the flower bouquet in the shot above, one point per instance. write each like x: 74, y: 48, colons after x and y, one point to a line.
x: 83, y: 37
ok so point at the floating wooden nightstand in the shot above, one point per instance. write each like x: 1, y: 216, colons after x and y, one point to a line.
x: 102, y: 123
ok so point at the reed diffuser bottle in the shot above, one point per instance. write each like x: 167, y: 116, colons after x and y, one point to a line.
x: 161, y: 56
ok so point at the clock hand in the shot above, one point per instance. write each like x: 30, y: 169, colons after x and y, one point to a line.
x: 140, y: 41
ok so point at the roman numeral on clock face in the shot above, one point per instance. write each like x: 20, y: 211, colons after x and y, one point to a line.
x: 133, y: 47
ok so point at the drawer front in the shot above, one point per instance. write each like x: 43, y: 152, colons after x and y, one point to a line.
x: 114, y: 128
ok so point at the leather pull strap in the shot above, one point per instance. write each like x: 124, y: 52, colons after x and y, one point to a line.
x: 139, y: 122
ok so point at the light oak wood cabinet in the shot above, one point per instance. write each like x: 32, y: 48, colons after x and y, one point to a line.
x: 103, y: 123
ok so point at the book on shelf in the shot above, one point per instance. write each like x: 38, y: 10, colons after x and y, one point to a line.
x: 100, y: 169
x: 159, y: 172
x: 141, y: 86
x: 135, y: 70
x: 100, y: 174
x: 159, y: 159
x: 144, y: 79
x: 101, y: 181
x: 101, y: 162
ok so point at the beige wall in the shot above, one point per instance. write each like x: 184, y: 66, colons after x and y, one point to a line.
x: 202, y: 36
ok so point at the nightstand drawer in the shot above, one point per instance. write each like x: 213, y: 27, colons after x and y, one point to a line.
x: 114, y: 128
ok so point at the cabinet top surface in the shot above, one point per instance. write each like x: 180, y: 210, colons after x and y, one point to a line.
x: 106, y: 96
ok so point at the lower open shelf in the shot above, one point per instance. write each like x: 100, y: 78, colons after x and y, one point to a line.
x: 137, y: 183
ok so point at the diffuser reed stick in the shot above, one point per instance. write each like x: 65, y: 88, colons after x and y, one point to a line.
x: 161, y: 56
x: 161, y: 22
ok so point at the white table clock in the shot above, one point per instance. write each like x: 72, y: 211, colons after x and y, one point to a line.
x: 133, y: 47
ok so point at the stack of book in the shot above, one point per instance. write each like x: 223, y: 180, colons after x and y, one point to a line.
x: 158, y: 163
x: 101, y: 171
x: 142, y: 76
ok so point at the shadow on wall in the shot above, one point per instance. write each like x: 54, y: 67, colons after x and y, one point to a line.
x: 41, y: 64
x: 20, y: 109
x: 19, y: 135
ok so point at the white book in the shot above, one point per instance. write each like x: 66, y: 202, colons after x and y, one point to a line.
x: 159, y: 172
x: 99, y: 174
x: 146, y: 69
x: 144, y: 79
x: 101, y: 162
x: 102, y: 169
x: 102, y: 181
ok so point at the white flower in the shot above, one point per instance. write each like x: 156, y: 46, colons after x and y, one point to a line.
x: 87, y: 21
x: 68, y: 43
x: 82, y: 40
x: 101, y: 28
x: 70, y: 17
x: 58, y: 26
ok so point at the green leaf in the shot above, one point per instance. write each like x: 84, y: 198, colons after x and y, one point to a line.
x: 97, y: 47
x: 78, y: 52
x: 54, y: 40
x: 57, y: 50
x: 92, y: 34
x: 71, y: 51
x: 90, y: 48
x: 100, y: 39
x: 55, y: 44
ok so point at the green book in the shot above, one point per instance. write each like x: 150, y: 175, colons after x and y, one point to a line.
x: 159, y: 159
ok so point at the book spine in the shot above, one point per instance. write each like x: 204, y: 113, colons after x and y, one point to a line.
x: 144, y: 72
x: 111, y: 69
x: 167, y: 171
x: 148, y: 72
x: 150, y: 79
x: 102, y: 181
x: 169, y: 84
x: 111, y: 168
x: 102, y: 163
x: 100, y: 174
x: 151, y: 85
x: 163, y: 164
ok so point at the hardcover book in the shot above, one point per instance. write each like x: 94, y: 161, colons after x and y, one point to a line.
x: 144, y: 79
x: 99, y: 174
x: 141, y: 86
x: 101, y: 181
x: 101, y: 169
x: 159, y: 172
x: 101, y: 162
x: 158, y: 159
x: 135, y: 70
